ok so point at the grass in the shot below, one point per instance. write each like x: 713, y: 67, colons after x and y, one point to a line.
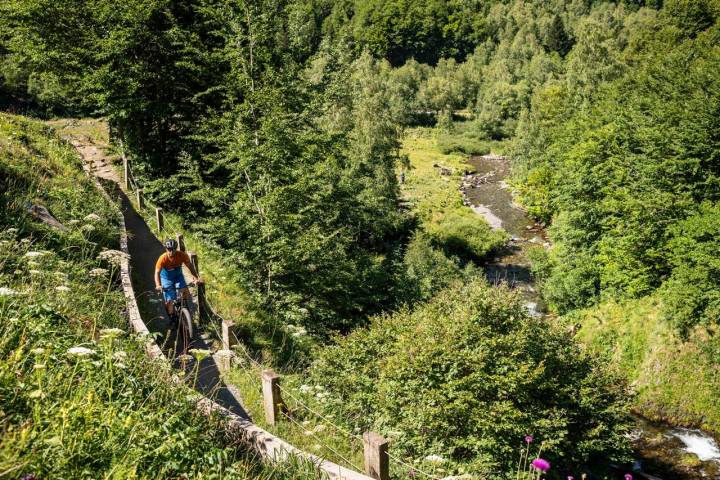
x: 436, y: 200
x: 78, y: 396
x: 674, y: 381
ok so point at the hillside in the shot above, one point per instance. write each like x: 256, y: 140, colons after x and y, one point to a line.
x: 80, y: 398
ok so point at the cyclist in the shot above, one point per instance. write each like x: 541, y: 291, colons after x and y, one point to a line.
x: 168, y: 274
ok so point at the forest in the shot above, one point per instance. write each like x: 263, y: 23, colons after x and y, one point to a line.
x: 278, y: 131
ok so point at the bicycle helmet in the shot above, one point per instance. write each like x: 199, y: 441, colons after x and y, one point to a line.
x: 170, y: 244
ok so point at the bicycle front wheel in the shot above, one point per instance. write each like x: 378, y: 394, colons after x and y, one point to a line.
x: 186, y: 324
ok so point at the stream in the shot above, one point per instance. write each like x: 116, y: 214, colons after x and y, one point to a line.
x: 662, y: 452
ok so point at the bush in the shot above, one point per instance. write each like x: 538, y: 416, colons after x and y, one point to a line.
x: 467, y: 375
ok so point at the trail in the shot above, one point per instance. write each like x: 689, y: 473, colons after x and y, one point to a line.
x: 144, y: 249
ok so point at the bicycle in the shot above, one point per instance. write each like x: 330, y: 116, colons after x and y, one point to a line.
x: 181, y: 317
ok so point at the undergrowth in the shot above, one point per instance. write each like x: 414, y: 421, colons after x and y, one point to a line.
x: 78, y: 396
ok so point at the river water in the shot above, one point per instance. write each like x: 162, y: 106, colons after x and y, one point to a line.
x: 662, y: 452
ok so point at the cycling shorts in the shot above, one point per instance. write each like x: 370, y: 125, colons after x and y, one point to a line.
x: 169, y: 279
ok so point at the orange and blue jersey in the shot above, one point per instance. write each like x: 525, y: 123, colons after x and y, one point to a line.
x: 171, y: 274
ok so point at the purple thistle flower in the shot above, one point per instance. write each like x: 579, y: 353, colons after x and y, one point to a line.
x: 541, y: 464
x: 628, y: 476
x: 528, y: 438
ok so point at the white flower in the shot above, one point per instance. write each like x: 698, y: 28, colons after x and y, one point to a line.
x: 33, y: 263
x: 92, y: 218
x: 39, y: 366
x: 34, y: 254
x: 96, y: 363
x: 120, y: 365
x: 98, y: 272
x: 62, y: 288
x: 113, y: 256
x: 111, y: 332
x: 185, y: 358
x: 316, y: 447
x: 434, y: 458
x: 35, y: 272
x: 73, y: 222
x: 119, y: 355
x: 12, y: 230
x: 36, y: 394
x: 319, y: 428
x: 7, y: 292
x: 305, y: 423
x: 308, y: 432
x: 37, y: 351
x: 87, y: 228
x: 305, y: 388
x: 81, y: 351
x: 60, y: 275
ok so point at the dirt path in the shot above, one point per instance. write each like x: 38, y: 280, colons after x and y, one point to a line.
x: 144, y: 249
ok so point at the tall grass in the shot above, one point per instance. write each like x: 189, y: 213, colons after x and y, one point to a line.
x: 78, y: 396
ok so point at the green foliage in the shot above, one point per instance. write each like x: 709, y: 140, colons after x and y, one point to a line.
x: 692, y: 293
x: 620, y: 174
x: 467, y: 375
x: 103, y: 411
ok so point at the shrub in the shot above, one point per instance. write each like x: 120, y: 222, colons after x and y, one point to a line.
x: 467, y: 375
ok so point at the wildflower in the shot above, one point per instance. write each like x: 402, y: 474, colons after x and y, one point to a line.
x: 18, y: 272
x: 541, y: 464
x: 12, y: 230
x: 36, y: 394
x: 34, y: 254
x: 185, y: 358
x: 96, y: 363
x: 98, y: 272
x: 528, y: 438
x: 305, y: 423
x: 62, y: 288
x: 316, y: 447
x: 37, y: 351
x: 319, y: 428
x: 111, y: 332
x: 434, y: 458
x: 628, y: 476
x: 307, y: 432
x: 113, y: 256
x: 81, y: 351
x: 305, y: 388
x: 73, y: 222
x: 39, y: 366
x: 199, y: 353
x: 411, y: 473
x: 7, y: 292
x: 570, y: 477
x: 33, y: 263
x: 92, y: 217
x: 120, y: 365
x: 119, y: 355
x: 87, y: 228
x: 35, y: 272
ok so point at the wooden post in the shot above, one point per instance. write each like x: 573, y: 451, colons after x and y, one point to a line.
x: 194, y: 260
x: 377, y: 463
x: 159, y: 219
x: 126, y: 169
x: 228, y: 339
x: 140, y: 198
x: 272, y: 400
x: 202, y: 311
x: 180, y: 242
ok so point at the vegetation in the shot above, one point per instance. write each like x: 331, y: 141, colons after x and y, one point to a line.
x: 273, y: 129
x: 468, y: 375
x: 79, y: 397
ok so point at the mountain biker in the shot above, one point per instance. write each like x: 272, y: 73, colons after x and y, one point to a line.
x: 168, y: 273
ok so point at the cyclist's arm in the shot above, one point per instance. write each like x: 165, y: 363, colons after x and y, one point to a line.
x: 157, y: 280
x: 191, y: 267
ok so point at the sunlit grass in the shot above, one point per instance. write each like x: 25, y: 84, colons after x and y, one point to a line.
x: 675, y: 381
